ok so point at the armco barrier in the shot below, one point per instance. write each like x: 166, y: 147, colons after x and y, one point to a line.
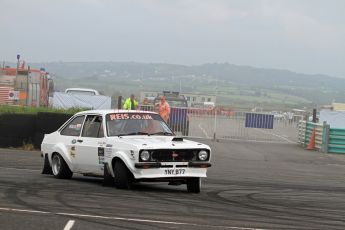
x: 318, y: 134
x: 336, y: 141
x: 18, y: 129
x: 305, y: 130
x: 301, y: 132
x: 327, y: 140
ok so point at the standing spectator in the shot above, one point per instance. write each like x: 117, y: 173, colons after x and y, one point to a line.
x: 164, y: 109
x: 286, y: 118
x: 290, y: 116
x: 130, y: 103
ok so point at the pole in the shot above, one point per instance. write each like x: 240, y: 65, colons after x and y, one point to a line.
x: 314, y: 115
x: 119, y: 102
x: 15, y: 81
x: 215, y: 124
x: 325, y: 137
x: 215, y: 114
x: 17, y: 64
x: 36, y: 94
x: 27, y: 87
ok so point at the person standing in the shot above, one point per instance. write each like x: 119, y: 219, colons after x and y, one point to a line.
x: 130, y: 103
x: 290, y: 117
x: 164, y: 109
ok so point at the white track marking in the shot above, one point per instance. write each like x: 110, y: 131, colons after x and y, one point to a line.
x: 204, y: 131
x: 69, y: 225
x: 251, y: 140
x: 276, y: 135
x: 126, y: 219
x: 23, y: 210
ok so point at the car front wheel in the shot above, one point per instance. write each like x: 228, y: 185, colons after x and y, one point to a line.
x: 194, y: 185
x: 123, y: 178
x: 60, y: 168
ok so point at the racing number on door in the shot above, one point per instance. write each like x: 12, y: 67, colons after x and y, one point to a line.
x: 174, y: 171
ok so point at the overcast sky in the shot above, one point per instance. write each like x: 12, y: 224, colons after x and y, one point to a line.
x: 300, y: 35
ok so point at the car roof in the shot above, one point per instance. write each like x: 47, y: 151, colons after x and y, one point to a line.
x: 82, y: 89
x: 107, y: 111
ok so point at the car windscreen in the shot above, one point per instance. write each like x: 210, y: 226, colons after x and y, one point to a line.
x: 123, y: 124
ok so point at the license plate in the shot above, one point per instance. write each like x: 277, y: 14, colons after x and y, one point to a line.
x: 174, y: 171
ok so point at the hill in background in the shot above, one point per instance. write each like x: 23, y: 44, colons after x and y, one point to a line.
x: 240, y: 86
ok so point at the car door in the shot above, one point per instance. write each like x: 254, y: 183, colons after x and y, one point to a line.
x: 91, y: 144
x: 69, y: 135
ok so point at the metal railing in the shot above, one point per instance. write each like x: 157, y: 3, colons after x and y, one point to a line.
x: 222, y: 124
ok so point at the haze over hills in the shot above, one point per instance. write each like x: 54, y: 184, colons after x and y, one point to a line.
x: 233, y: 84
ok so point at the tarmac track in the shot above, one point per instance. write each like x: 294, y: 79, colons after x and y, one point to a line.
x: 249, y: 186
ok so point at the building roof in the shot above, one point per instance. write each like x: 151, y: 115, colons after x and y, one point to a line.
x: 13, y: 71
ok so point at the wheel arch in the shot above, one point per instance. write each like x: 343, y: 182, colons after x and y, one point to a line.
x: 118, y: 158
x: 63, y: 157
x: 64, y: 152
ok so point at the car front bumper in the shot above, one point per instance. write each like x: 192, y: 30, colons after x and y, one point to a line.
x: 168, y: 170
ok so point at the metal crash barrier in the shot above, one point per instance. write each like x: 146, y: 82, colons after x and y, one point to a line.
x: 319, y: 136
x: 305, y: 133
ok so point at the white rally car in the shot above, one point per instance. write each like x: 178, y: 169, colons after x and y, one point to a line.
x: 124, y: 147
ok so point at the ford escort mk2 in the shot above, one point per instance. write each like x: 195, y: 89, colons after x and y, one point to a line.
x: 124, y: 147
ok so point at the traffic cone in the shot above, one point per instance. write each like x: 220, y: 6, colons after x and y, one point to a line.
x: 311, y: 144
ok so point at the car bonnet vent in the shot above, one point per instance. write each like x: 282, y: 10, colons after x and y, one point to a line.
x: 177, y: 139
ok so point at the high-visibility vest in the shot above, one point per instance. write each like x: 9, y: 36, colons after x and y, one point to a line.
x: 128, y: 104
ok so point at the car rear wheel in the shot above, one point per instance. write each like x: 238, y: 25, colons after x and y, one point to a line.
x: 60, y: 168
x: 123, y: 177
x: 47, y: 169
x: 194, y: 185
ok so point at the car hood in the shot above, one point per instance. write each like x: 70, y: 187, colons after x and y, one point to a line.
x: 160, y: 142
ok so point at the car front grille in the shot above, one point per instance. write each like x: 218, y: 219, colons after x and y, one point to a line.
x: 168, y: 155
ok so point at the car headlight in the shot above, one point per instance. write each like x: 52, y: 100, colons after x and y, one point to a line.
x: 145, y: 155
x: 203, y: 155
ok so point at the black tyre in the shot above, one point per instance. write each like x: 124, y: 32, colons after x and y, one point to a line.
x: 47, y: 169
x: 108, y: 180
x: 123, y: 177
x: 60, y: 168
x: 194, y: 185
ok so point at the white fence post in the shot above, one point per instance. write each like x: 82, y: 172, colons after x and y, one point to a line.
x: 215, y: 124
